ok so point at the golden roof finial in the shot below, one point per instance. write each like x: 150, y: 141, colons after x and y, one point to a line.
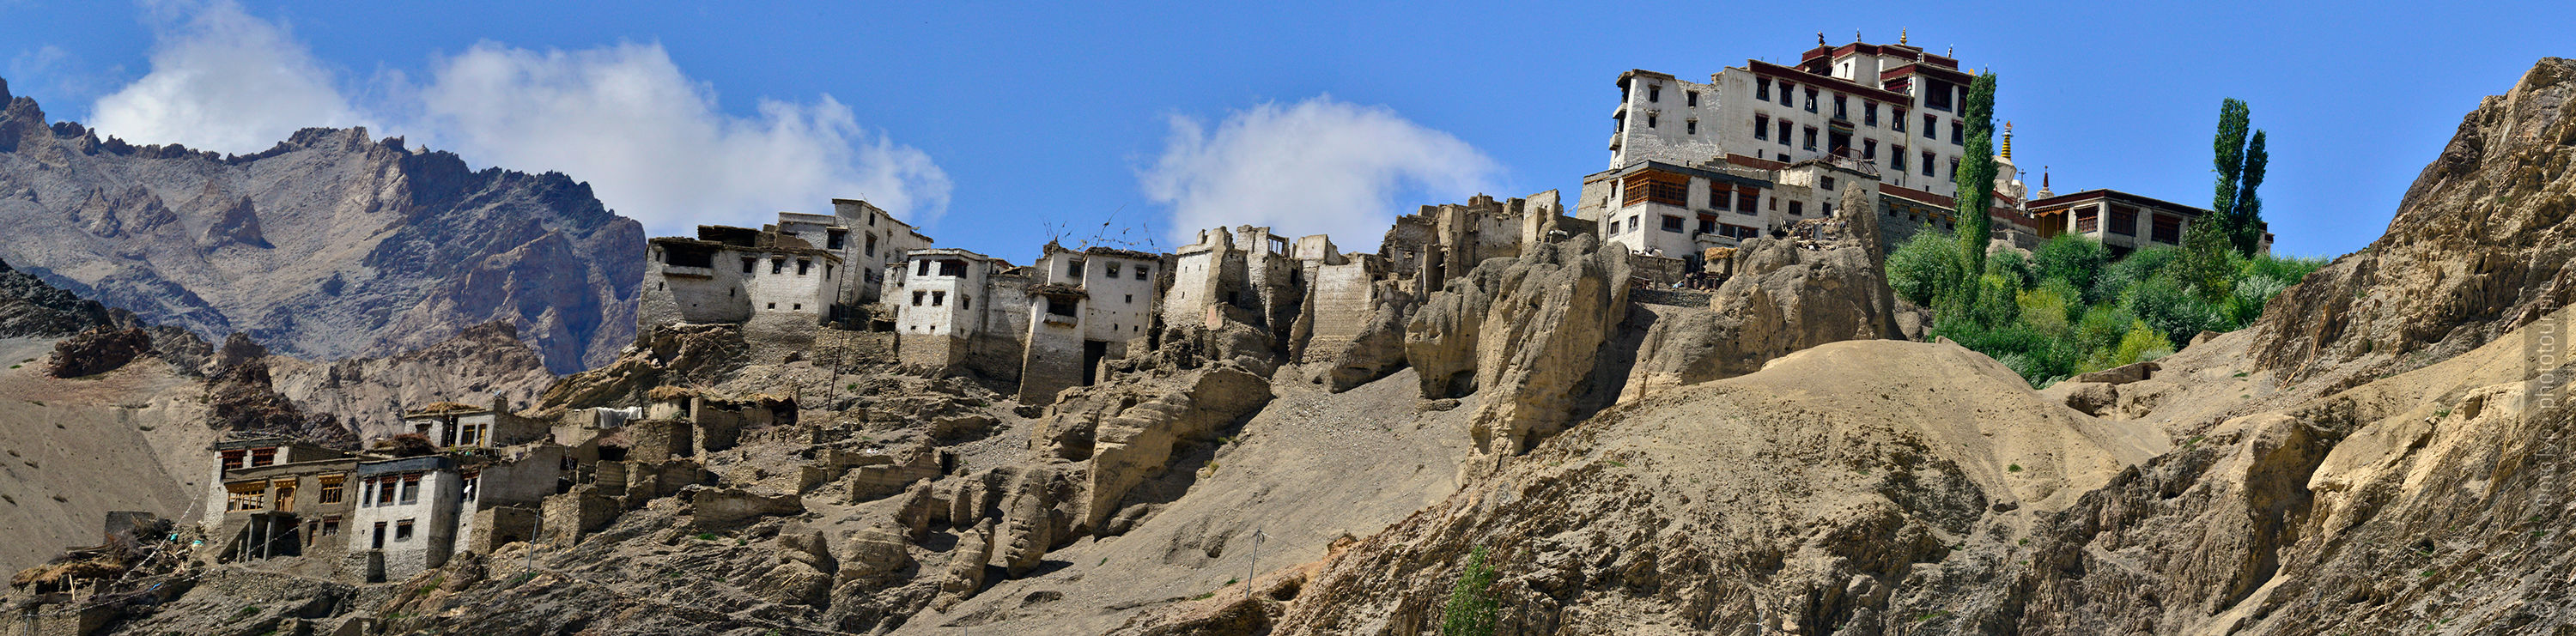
x: 1820, y: 38
x: 2007, y: 140
x: 1900, y: 36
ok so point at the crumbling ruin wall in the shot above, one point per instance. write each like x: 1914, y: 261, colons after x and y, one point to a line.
x: 1053, y: 359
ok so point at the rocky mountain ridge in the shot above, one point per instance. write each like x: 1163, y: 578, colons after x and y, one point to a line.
x: 330, y: 245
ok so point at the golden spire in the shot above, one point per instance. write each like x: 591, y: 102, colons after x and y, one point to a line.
x: 1900, y: 36
x: 2008, y: 140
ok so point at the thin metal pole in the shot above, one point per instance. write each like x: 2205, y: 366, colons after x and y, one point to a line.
x: 1254, y: 570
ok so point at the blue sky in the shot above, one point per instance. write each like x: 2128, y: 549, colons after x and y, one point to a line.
x: 1001, y: 124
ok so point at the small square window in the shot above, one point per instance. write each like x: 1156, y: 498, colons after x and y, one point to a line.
x: 1797, y: 208
x: 1140, y: 272
x: 402, y: 530
x: 1690, y: 127
x: 1113, y: 269
x: 1691, y: 97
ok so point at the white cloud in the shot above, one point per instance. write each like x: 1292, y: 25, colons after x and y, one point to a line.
x: 652, y: 142
x: 654, y: 146
x: 223, y: 80
x: 1318, y: 166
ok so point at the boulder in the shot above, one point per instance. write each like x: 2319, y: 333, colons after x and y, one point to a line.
x: 2123, y: 374
x: 876, y: 556
x: 724, y: 507
x: 98, y: 350
x: 964, y: 574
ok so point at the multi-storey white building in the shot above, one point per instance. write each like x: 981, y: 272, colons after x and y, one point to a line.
x: 1695, y: 165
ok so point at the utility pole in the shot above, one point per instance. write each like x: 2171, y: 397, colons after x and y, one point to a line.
x: 1254, y: 570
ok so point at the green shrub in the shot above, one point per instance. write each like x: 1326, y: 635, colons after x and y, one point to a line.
x: 2046, y: 308
x: 1997, y: 302
x: 1924, y: 267
x: 2012, y: 266
x: 2138, y: 266
x: 2071, y: 258
x: 1471, y: 606
x: 2169, y: 307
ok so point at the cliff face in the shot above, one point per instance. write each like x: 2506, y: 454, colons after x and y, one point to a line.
x: 328, y: 246
x: 2479, y: 246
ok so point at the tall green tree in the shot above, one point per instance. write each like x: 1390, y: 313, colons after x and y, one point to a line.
x: 2233, y: 117
x: 2245, y: 222
x: 1976, y: 177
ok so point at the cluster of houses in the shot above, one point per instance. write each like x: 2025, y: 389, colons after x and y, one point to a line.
x: 475, y: 478
x: 1695, y: 169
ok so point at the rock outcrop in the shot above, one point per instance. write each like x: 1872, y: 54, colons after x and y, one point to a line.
x: 1524, y: 331
x: 477, y: 364
x: 1785, y: 295
x: 677, y: 355
x: 330, y: 245
x: 98, y: 350
x: 1836, y: 491
x: 30, y: 308
x: 2479, y: 246
x: 240, y: 397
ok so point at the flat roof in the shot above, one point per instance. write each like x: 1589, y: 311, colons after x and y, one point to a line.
x: 405, y: 465
x: 2107, y: 193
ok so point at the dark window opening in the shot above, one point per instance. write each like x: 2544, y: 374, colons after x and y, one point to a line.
x: 402, y: 530
x: 1797, y: 208
x: 2124, y: 220
x: 1785, y: 99
x: 1654, y: 93
x: 747, y: 264
x: 1869, y: 113
x: 938, y: 298
x: 1748, y: 200
x: 777, y: 265
x: 1762, y: 88
x: 1784, y: 137
x: 1140, y: 272
x: 1958, y: 135
x: 1690, y: 127
x: 1811, y: 99
x: 1811, y: 138
x: 1896, y: 119
x: 1927, y: 164
x: 1692, y: 97
x: 1841, y: 109
x: 1073, y: 268
x: 917, y: 297
x: 689, y: 256
x: 1896, y: 158
x: 1761, y: 126
x: 804, y: 267
x: 1060, y: 307
x: 2168, y: 229
x: 835, y: 239
x: 1672, y: 223
x: 1720, y: 195
x: 1112, y: 269
x: 952, y: 267
x: 1869, y: 149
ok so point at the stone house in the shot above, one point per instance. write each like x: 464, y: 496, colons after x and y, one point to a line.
x: 956, y: 310
x: 272, y: 497
x: 456, y: 424
x: 1087, y: 306
x: 406, y: 517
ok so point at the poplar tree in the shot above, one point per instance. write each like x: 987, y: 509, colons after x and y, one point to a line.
x: 2245, y: 222
x: 1976, y: 179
